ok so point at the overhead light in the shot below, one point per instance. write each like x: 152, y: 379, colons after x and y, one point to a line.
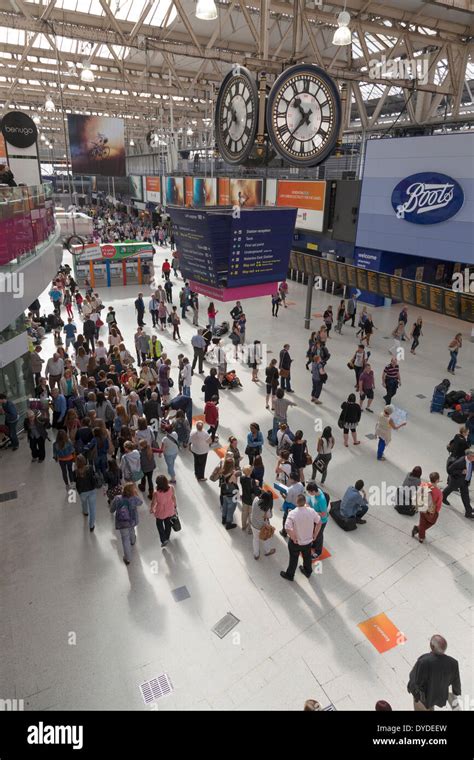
x: 49, y: 104
x: 37, y: 119
x: 87, y: 75
x: 132, y: 143
x: 190, y: 132
x: 42, y: 138
x: 206, y: 10
x: 343, y: 35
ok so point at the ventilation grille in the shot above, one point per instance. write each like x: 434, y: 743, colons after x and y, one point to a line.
x: 156, y: 688
x: 225, y: 625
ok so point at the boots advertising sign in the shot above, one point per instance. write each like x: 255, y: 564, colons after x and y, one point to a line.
x: 427, y: 198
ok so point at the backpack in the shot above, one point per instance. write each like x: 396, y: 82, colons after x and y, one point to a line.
x: 109, y: 412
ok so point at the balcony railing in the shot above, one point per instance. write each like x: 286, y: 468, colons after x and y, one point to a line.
x: 26, y: 223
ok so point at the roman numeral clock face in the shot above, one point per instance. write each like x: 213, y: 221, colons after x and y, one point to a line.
x: 236, y: 116
x: 303, y: 115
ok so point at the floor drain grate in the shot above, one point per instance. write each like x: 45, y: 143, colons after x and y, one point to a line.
x: 180, y: 594
x: 156, y: 688
x: 8, y: 495
x: 225, y: 625
x: 420, y: 395
x: 329, y: 708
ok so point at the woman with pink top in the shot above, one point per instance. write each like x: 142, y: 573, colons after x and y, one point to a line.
x: 163, y: 506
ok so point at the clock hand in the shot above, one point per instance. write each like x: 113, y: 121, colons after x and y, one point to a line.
x: 303, y: 120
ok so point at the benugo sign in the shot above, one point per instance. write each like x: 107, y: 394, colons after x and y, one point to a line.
x: 308, y: 197
x: 427, y: 198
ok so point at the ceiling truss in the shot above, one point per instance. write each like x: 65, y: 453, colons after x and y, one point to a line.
x: 172, y: 71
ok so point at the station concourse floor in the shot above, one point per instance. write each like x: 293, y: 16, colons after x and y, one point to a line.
x: 81, y: 631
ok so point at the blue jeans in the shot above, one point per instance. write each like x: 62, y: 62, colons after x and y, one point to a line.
x: 381, y: 448
x: 13, y: 434
x: 317, y: 388
x: 88, y: 501
x: 228, y: 508
x: 212, y: 324
x: 453, y: 360
x: 170, y: 460
x: 128, y: 540
x: 187, y: 390
x: 285, y: 383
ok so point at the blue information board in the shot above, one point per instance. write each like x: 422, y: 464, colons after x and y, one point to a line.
x: 233, y: 247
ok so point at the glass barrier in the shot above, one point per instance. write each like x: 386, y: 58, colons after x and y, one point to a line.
x: 26, y: 222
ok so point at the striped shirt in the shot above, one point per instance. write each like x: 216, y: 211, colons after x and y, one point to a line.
x: 392, y: 372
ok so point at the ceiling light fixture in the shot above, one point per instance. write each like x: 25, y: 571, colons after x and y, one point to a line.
x: 87, y: 75
x: 132, y: 143
x: 206, y: 10
x: 343, y: 35
x: 37, y: 119
x: 190, y: 132
x: 49, y: 104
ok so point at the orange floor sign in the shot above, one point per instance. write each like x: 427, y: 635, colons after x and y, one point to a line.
x: 382, y: 633
x: 324, y: 555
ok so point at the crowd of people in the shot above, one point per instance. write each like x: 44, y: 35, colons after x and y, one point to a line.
x: 120, y: 416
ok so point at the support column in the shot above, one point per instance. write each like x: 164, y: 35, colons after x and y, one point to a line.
x: 309, y: 300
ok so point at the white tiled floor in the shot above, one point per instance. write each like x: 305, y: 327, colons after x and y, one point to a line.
x: 294, y: 641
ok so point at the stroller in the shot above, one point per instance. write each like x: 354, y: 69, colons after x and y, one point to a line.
x: 230, y: 380
x: 221, y: 330
x: 439, y: 396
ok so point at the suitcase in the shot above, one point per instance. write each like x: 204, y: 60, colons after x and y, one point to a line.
x: 346, y: 524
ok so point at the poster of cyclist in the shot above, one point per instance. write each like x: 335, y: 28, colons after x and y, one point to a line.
x: 97, y: 145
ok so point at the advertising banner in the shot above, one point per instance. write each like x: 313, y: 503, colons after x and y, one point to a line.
x: 246, y: 192
x: 114, y: 251
x: 308, y: 197
x: 174, y: 191
x: 3, y: 150
x: 136, y: 187
x: 270, y: 192
x: 97, y: 145
x: 188, y: 191
x: 205, y: 191
x: 153, y: 189
x: 223, y: 184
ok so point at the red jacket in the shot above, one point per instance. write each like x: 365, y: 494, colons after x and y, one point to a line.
x: 211, y: 413
x: 166, y: 267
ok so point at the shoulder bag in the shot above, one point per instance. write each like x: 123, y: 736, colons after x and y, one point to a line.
x: 175, y: 522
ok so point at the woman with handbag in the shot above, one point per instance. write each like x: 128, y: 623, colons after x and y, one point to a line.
x: 319, y: 377
x: 254, y: 442
x: 86, y: 483
x: 163, y: 506
x: 64, y: 454
x: 260, y: 524
x: 126, y: 518
x: 325, y: 446
x: 434, y: 501
x: 358, y: 362
x: 299, y: 455
x: 349, y: 419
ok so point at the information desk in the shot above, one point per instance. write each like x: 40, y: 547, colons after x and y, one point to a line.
x: 421, y: 294
x: 107, y: 264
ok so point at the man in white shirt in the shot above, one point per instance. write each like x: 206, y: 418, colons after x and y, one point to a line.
x: 199, y: 444
x: 302, y: 526
x: 54, y: 370
x: 186, y: 377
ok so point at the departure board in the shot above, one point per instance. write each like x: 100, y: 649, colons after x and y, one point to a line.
x: 395, y: 288
x: 194, y: 243
x: 324, y: 269
x: 333, y: 273
x: 260, y: 245
x: 451, y: 303
x: 372, y: 282
x: 361, y: 279
x: 408, y: 291
x: 384, y: 285
x: 466, y: 303
x: 351, y: 276
x: 342, y: 273
x: 436, y: 299
x: 422, y: 295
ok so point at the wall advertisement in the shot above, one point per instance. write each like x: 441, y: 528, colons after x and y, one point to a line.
x: 308, y: 197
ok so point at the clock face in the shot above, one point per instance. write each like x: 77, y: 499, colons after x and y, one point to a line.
x: 303, y: 115
x: 236, y: 115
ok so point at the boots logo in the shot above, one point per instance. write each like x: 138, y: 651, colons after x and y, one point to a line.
x: 19, y: 130
x: 427, y: 198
